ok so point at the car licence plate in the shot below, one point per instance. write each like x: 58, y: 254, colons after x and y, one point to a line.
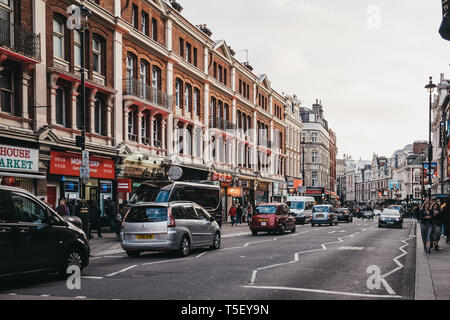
x: 390, y: 222
x: 319, y: 215
x: 145, y: 236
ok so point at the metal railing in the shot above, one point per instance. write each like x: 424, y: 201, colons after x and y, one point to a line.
x: 20, y: 40
x: 136, y: 88
x: 221, y: 124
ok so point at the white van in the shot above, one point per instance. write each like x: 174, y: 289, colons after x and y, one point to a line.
x: 301, y: 208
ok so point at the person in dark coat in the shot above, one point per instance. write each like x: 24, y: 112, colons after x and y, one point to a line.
x: 446, y: 214
x: 94, y: 218
x: 83, y: 216
x: 63, y: 209
x: 239, y: 213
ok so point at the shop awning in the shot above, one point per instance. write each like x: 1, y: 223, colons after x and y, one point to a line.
x: 22, y: 175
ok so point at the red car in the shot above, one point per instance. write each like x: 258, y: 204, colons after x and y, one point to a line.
x: 272, y: 217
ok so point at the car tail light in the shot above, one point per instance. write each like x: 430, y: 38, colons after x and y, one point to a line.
x: 124, y: 218
x: 171, y: 222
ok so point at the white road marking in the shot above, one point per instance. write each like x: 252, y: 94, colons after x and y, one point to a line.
x: 120, y: 271
x: 12, y: 294
x: 45, y: 295
x: 351, y: 248
x: 80, y: 297
x: 200, y: 255
x: 248, y: 243
x: 332, y: 232
x: 164, y: 261
x: 92, y: 277
x: 324, y: 292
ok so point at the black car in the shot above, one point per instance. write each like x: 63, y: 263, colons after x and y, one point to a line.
x: 343, y: 214
x: 390, y: 218
x: 34, y: 238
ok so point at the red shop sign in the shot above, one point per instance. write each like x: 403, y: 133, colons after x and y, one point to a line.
x: 124, y: 185
x: 68, y: 164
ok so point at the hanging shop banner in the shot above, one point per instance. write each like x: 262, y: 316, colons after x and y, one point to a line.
x: 68, y: 164
x: 225, y: 179
x: 394, y: 184
x: 234, y: 192
x: 124, y: 185
x: 19, y: 159
x: 433, y: 169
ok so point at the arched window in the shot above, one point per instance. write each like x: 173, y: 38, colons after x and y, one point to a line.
x: 187, y: 97
x: 239, y: 120
x: 212, y: 112
x: 226, y: 111
x: 178, y: 92
x: 196, y: 102
x: 143, y: 74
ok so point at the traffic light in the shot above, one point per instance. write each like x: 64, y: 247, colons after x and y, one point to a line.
x: 444, y: 29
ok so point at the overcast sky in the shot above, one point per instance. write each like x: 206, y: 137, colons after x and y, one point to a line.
x: 370, y: 80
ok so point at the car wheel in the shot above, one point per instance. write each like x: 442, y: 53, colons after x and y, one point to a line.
x: 282, y: 230
x: 73, y: 257
x: 313, y: 225
x: 185, y: 247
x: 293, y: 229
x: 379, y: 226
x: 216, y: 241
x: 254, y: 232
x: 133, y: 253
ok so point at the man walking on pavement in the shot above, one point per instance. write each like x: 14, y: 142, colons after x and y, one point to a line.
x: 94, y: 218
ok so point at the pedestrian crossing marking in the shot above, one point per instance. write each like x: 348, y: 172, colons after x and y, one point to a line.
x: 351, y: 248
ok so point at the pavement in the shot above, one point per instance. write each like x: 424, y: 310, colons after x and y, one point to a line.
x: 432, y: 271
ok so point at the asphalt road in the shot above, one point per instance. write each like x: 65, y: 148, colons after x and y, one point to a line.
x: 327, y: 262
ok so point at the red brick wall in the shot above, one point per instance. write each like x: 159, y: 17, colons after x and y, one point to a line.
x: 151, y: 11
x: 177, y: 33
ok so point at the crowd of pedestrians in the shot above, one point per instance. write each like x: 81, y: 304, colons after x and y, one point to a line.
x: 434, y: 219
x: 239, y: 214
x: 93, y: 219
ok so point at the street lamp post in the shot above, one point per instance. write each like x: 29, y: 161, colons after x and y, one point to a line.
x: 85, y: 14
x: 303, y: 163
x: 430, y: 87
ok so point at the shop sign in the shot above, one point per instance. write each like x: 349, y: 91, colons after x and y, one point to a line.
x: 69, y: 164
x: 19, y: 159
x: 234, y: 192
x: 298, y: 183
x: 124, y: 185
x: 224, y: 179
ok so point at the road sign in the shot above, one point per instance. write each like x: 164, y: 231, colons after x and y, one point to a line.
x: 85, y: 172
x: 85, y: 158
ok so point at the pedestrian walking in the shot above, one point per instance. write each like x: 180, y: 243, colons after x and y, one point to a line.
x: 63, y: 209
x: 426, y: 226
x: 249, y: 213
x: 232, y: 214
x: 111, y: 212
x: 446, y: 218
x: 239, y: 213
x: 437, y: 221
x: 94, y: 218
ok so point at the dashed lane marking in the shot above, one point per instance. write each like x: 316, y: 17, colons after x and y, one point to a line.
x: 120, y: 271
x: 351, y: 248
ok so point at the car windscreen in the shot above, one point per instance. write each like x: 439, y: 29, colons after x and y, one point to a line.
x: 391, y: 213
x: 266, y: 210
x: 296, y: 205
x: 321, y: 209
x: 146, y: 192
x: 147, y: 214
x: 205, y: 196
x: 163, y: 194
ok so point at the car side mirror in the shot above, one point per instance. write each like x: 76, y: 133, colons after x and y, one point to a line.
x: 212, y: 219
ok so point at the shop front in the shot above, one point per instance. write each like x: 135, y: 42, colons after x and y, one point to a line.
x: 64, y: 174
x: 317, y: 193
x: 248, y: 190
x: 19, y: 167
x: 225, y: 180
x: 262, y: 191
x: 279, y: 191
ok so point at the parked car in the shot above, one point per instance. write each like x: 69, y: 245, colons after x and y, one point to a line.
x: 272, y: 217
x: 205, y: 195
x: 33, y: 237
x: 343, y: 214
x: 177, y: 226
x: 324, y: 214
x: 390, y: 218
x: 301, y: 208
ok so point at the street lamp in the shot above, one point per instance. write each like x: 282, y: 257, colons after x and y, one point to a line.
x: 85, y: 13
x: 430, y: 87
x: 303, y: 163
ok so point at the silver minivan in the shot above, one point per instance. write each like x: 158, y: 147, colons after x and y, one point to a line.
x: 177, y: 226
